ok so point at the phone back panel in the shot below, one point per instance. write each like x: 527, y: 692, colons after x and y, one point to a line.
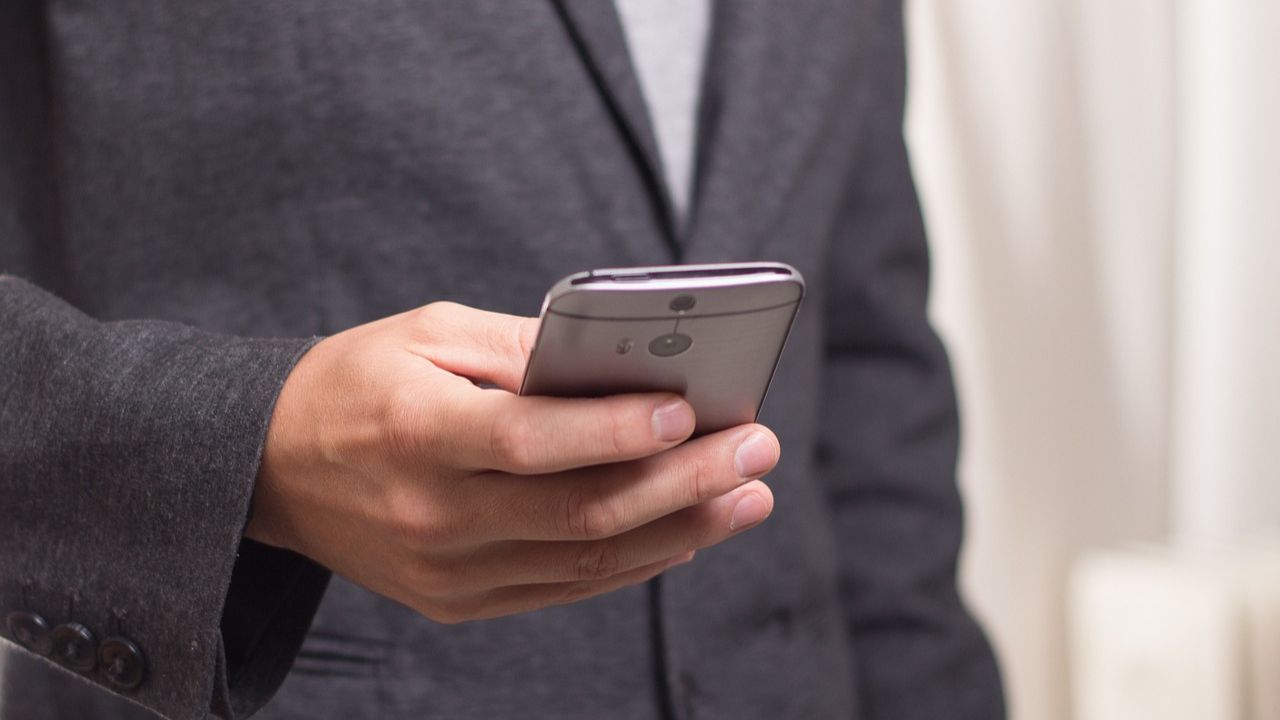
x: 607, y: 339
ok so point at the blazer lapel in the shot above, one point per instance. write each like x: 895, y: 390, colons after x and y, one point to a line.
x: 596, y: 31
x: 768, y: 91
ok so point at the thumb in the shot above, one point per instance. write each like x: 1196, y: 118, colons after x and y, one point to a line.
x: 478, y: 344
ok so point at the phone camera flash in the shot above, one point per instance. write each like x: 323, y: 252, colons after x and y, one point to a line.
x: 624, y: 346
x: 682, y: 303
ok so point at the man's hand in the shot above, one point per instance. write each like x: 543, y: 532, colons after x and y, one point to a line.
x: 386, y: 463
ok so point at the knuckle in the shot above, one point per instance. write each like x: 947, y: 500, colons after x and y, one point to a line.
x: 425, y: 321
x: 436, y: 311
x: 446, y: 612
x: 505, y: 341
x: 615, y: 435
x: 576, y: 591
x: 458, y: 575
x: 526, y: 335
x: 437, y: 322
x: 437, y: 532
x: 425, y: 580
x: 700, y: 479
x: 405, y: 518
x: 416, y: 533
x: 702, y: 534
x: 598, y: 561
x: 434, y: 577
x: 588, y: 517
x: 419, y: 525
x: 511, y: 441
x: 574, y: 520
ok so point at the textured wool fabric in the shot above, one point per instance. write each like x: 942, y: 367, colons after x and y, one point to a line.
x: 128, y: 458
x: 180, y: 183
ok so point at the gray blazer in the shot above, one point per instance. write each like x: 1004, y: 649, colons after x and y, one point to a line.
x: 190, y: 193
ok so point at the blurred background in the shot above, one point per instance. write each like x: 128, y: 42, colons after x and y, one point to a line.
x: 1101, y: 181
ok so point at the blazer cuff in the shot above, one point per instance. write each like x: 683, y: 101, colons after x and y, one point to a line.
x: 128, y: 453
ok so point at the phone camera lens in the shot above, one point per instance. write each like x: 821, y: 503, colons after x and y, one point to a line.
x: 669, y: 345
x: 682, y: 303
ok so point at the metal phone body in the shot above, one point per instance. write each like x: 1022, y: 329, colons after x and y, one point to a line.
x: 713, y: 333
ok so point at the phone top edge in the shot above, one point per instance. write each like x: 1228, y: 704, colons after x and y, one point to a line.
x: 671, y: 277
x: 670, y: 316
x: 690, y: 271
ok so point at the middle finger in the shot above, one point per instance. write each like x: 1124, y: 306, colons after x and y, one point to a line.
x: 605, y: 500
x: 693, y: 528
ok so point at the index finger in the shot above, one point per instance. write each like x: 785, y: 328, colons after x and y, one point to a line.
x: 533, y: 435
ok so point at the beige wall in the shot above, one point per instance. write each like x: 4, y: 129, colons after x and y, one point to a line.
x: 1100, y: 182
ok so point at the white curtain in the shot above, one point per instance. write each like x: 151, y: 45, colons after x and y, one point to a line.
x: 1101, y: 181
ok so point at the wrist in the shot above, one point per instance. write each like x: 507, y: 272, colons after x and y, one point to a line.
x: 266, y: 521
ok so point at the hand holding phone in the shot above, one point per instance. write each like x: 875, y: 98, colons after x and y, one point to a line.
x: 387, y: 463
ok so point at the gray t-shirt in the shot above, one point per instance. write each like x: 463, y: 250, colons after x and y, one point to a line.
x: 667, y: 40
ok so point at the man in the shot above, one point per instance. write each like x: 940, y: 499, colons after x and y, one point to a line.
x: 206, y: 500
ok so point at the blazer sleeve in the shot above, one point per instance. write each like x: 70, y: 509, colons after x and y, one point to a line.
x: 888, y: 439
x: 128, y: 452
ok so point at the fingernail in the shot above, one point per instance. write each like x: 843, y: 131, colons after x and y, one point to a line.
x: 755, y: 456
x: 672, y: 420
x: 680, y: 559
x: 749, y: 511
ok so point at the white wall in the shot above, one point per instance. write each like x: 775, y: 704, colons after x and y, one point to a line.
x: 1226, y: 433
x: 1100, y: 182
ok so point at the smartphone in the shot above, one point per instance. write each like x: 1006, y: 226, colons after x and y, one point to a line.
x: 713, y: 333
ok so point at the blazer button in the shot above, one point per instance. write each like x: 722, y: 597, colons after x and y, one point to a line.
x: 30, y: 630
x: 75, y: 646
x: 121, y: 662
